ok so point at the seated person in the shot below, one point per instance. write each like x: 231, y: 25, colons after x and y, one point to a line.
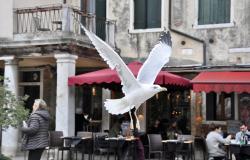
x: 173, y: 131
x: 215, y: 142
x: 125, y: 126
x: 156, y: 128
x: 115, y: 129
x: 241, y: 137
x: 243, y: 133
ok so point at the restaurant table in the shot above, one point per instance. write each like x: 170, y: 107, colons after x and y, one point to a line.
x: 120, y: 143
x: 238, y: 149
x: 174, y: 147
x: 73, y: 141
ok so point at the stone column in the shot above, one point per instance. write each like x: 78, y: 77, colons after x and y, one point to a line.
x: 10, y: 136
x: 106, y: 94
x: 65, y: 95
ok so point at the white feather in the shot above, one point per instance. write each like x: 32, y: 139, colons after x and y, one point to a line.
x: 136, y: 92
x: 157, y: 58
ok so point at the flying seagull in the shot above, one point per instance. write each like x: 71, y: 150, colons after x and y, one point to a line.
x: 136, y: 90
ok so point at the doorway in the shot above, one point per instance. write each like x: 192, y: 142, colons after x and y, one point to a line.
x: 30, y: 84
x: 33, y: 92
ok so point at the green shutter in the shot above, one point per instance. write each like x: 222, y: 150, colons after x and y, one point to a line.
x: 227, y: 12
x: 204, y: 10
x: 153, y: 13
x: 100, y: 18
x: 214, y: 11
x: 139, y: 14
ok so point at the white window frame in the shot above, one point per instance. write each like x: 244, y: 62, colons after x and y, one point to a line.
x: 131, y: 24
x: 209, y: 26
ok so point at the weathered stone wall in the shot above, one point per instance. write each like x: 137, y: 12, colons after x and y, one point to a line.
x: 226, y: 38
x: 138, y: 44
x: 33, y: 3
x: 184, y: 17
x: 6, y: 19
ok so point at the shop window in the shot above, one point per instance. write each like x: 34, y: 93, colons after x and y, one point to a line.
x: 169, y: 107
x: 244, y: 108
x: 219, y: 106
x: 89, y: 101
x: 147, y: 14
x: 214, y: 11
x: 88, y: 104
x: 29, y: 76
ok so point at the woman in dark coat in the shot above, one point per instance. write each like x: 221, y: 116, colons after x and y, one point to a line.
x: 36, y: 132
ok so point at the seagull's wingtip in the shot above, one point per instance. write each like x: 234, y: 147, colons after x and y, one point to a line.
x: 166, y: 38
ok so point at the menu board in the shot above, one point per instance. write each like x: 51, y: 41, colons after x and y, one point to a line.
x: 233, y: 126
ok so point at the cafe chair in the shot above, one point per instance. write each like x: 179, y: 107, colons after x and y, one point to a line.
x: 95, y: 144
x: 56, y: 142
x: 85, y: 146
x: 101, y: 146
x: 201, y: 145
x: 155, y: 145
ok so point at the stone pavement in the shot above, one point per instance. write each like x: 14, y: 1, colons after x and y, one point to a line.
x: 21, y: 156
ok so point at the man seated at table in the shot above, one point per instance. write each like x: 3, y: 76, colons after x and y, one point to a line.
x: 241, y: 137
x: 215, y: 142
x: 116, y: 128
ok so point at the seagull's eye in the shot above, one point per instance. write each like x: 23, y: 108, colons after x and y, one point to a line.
x: 155, y: 87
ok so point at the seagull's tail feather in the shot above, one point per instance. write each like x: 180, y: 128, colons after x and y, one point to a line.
x: 117, y: 106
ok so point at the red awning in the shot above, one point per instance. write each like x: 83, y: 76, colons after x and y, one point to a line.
x: 222, y: 82
x: 110, y: 76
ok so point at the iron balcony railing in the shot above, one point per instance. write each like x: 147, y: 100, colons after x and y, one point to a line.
x: 62, y: 18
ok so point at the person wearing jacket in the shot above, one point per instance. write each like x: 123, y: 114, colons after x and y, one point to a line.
x: 36, y: 136
x: 215, y: 142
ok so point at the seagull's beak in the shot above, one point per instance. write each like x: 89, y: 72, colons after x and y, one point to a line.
x: 163, y: 89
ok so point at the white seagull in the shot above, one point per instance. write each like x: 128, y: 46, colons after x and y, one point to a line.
x: 136, y: 91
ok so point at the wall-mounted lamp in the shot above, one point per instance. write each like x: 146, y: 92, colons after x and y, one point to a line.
x: 93, y: 91
x: 157, y: 96
x: 140, y: 117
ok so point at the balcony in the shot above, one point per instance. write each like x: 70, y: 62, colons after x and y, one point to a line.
x: 60, y: 21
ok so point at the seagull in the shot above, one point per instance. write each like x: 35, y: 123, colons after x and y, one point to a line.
x: 136, y: 90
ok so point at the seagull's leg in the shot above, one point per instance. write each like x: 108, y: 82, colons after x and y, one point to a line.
x: 137, y: 120
x: 131, y: 120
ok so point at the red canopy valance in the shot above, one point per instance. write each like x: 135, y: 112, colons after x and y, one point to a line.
x: 222, y: 82
x: 110, y: 76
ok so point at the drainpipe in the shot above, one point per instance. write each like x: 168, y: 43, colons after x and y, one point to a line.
x: 184, y: 34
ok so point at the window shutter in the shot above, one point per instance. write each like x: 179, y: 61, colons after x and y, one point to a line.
x: 221, y: 11
x: 139, y: 14
x: 153, y: 13
x: 214, y: 11
x: 100, y: 18
x: 226, y: 4
x: 204, y: 10
x: 211, y: 106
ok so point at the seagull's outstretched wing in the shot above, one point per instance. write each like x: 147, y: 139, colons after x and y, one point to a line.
x: 157, y: 58
x: 114, y: 61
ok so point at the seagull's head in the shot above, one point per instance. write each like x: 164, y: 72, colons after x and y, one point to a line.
x: 158, y: 88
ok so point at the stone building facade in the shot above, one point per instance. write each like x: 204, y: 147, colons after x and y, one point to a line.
x: 55, y: 47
